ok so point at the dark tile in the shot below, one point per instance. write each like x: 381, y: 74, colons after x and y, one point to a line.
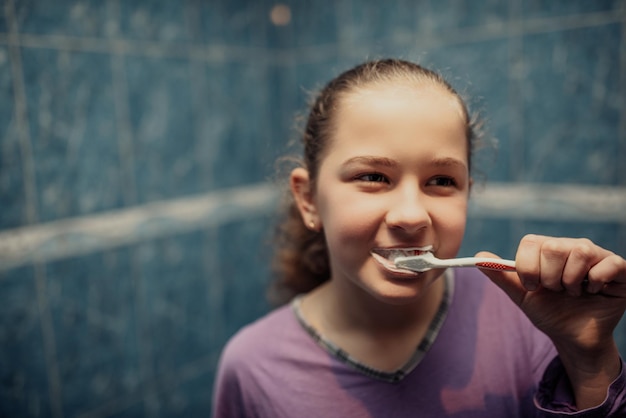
x: 163, y: 21
x: 299, y: 82
x: 492, y: 235
x: 92, y: 303
x: 244, y: 255
x: 232, y: 23
x: 293, y: 87
x: 136, y: 410
x: 4, y: 24
x: 310, y: 25
x: 23, y: 370
x: 457, y: 14
x: 87, y: 18
x: 370, y: 24
x: 71, y: 117
x: 161, y: 117
x: 12, y: 191
x: 174, y: 301
x: 548, y: 8
x: 190, y: 399
x: 571, y: 106
x: 605, y: 235
x: 238, y: 124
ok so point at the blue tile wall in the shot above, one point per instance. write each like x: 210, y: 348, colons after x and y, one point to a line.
x: 92, y: 305
x: 90, y: 18
x: 543, y: 8
x: 248, y: 24
x: 581, y: 66
x: 173, y: 298
x: 155, y: 21
x: 129, y: 103
x: 22, y: 358
x: 72, y: 125
x: 162, y: 126
x: 12, y: 193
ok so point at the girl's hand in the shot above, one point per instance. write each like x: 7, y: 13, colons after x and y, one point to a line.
x: 575, y: 292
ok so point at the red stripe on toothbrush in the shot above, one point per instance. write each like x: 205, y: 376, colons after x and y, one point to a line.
x: 494, y: 266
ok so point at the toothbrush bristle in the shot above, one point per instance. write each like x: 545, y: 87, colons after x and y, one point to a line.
x: 416, y: 263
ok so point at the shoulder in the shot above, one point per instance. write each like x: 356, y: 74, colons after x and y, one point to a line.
x: 247, y: 361
x: 260, y: 336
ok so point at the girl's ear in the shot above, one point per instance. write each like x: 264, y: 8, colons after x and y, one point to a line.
x: 301, y: 188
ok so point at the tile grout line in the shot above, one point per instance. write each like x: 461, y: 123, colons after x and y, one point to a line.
x: 55, y: 389
x: 21, y: 120
x: 124, y: 130
x: 130, y: 198
x: 221, y: 52
x: 30, y: 190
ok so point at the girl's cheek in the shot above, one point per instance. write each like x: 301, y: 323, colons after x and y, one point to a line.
x: 354, y: 222
x: 452, y: 218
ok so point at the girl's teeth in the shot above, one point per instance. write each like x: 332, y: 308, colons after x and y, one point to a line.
x: 391, y: 255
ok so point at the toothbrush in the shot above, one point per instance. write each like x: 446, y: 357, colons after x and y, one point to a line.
x: 428, y: 261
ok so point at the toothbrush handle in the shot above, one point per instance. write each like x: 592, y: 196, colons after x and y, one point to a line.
x: 485, y: 263
x: 502, y: 265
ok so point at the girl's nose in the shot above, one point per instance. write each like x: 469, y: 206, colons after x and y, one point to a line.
x: 407, y: 212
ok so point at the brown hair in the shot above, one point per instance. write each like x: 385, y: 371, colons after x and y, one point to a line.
x: 301, y: 259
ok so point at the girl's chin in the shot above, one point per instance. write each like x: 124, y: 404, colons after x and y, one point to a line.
x: 399, y: 292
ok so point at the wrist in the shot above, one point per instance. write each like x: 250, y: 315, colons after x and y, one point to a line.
x: 590, y: 372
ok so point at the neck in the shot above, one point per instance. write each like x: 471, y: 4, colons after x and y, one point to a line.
x: 338, y: 306
x: 377, y: 333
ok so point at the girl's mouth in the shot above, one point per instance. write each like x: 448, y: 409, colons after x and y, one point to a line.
x: 387, y: 256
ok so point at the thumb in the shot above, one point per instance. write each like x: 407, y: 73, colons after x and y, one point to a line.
x: 508, y: 281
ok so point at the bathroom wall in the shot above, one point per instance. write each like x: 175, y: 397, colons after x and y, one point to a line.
x: 137, y: 152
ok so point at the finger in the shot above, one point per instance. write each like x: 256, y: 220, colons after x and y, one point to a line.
x: 528, y: 261
x: 608, y: 276
x: 582, y: 255
x: 509, y: 282
x: 552, y: 259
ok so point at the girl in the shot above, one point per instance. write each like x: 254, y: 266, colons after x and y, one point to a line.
x: 386, y: 172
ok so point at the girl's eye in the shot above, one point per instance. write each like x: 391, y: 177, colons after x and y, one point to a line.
x: 442, y: 181
x: 373, y: 178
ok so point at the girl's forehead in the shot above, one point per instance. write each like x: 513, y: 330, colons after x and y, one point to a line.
x: 401, y: 91
x: 421, y: 96
x: 377, y: 117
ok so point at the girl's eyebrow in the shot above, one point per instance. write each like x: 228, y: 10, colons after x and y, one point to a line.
x: 372, y: 161
x: 449, y: 162
x: 388, y: 162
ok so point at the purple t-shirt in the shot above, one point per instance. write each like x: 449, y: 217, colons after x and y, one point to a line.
x: 486, y: 360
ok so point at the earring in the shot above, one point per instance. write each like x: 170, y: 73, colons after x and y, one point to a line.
x: 312, y: 226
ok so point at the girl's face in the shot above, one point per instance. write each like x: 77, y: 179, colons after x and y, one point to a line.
x: 394, y: 180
